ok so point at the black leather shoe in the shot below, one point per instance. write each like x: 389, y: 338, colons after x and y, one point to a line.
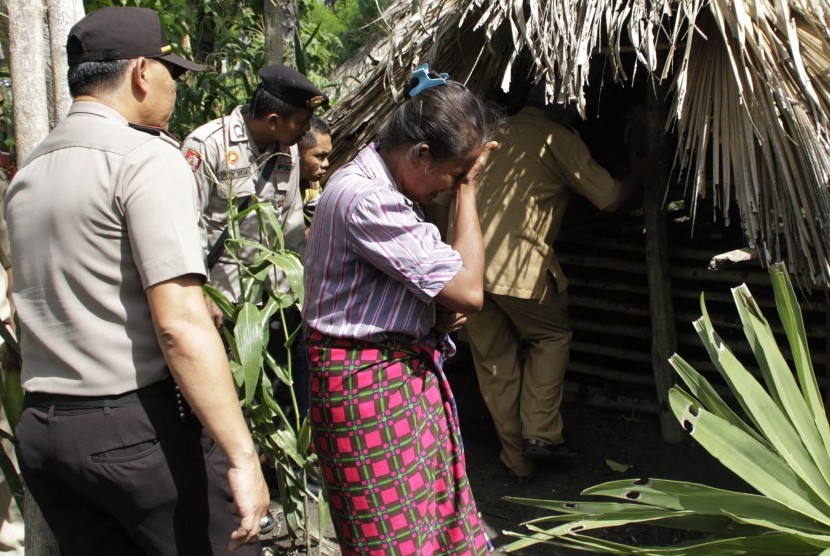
x: 517, y: 479
x: 534, y: 448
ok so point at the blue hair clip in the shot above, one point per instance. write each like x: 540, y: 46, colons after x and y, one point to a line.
x: 425, y: 82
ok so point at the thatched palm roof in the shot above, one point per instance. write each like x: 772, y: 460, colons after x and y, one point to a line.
x: 748, y: 81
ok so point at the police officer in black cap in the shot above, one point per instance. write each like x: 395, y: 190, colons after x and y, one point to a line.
x: 108, y: 288
x: 252, y: 153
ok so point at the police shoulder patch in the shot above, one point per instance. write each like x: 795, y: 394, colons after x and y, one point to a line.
x: 193, y: 158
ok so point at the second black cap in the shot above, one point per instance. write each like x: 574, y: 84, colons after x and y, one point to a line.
x: 291, y: 86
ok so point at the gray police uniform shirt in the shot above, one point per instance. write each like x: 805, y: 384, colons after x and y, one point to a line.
x: 227, y: 164
x: 99, y: 213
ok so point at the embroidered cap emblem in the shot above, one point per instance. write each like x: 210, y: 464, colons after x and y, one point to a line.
x: 314, y: 102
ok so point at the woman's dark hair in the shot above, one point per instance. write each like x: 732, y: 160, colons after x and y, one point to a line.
x: 449, y: 118
x: 95, y: 77
x: 264, y: 103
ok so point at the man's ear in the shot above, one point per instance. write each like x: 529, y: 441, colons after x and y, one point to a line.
x: 139, y: 74
x: 273, y: 120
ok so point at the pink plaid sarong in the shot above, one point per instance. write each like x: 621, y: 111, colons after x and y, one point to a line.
x: 386, y: 432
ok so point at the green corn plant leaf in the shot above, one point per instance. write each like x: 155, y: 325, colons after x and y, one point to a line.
x: 10, y: 340
x: 286, y: 441
x: 790, y: 314
x: 228, y: 309
x: 764, y: 470
x: 270, y: 308
x: 304, y: 437
x: 281, y: 371
x: 11, y: 391
x: 230, y: 341
x: 238, y: 373
x: 323, y: 519
x: 290, y: 264
x: 702, y: 390
x: 249, y: 340
x: 272, y: 404
x: 291, y: 497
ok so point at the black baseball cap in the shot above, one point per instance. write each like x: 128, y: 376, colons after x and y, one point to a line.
x: 291, y: 86
x: 119, y: 33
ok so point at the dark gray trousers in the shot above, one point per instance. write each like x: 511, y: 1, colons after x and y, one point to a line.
x: 127, y: 480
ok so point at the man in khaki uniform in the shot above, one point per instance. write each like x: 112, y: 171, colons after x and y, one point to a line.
x: 108, y: 288
x: 521, y: 339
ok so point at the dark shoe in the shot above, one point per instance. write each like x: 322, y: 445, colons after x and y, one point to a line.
x: 517, y: 479
x: 534, y: 448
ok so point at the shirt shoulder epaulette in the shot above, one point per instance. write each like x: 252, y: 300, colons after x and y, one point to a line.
x: 204, y: 132
x: 162, y: 134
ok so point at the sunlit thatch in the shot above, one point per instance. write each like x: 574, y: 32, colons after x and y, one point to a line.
x: 749, y: 91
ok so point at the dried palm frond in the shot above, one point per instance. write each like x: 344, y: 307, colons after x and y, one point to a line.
x: 750, y: 91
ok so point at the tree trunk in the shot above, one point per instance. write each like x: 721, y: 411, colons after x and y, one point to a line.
x: 62, y: 16
x: 273, y: 31
x: 664, y: 333
x: 28, y: 68
x: 27, y: 61
x: 280, y: 26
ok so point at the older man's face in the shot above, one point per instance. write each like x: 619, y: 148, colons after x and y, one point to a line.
x: 162, y: 94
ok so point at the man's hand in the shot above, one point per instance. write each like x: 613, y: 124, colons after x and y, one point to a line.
x: 214, y: 312
x: 250, y: 495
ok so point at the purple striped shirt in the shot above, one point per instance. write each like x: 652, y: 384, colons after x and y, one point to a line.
x: 373, y: 266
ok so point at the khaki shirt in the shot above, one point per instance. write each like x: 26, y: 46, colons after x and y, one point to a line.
x: 522, y: 197
x: 227, y: 164
x: 97, y: 214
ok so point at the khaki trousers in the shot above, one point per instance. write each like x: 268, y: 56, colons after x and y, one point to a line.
x: 520, y: 348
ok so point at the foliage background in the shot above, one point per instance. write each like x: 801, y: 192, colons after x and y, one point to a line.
x: 228, y: 37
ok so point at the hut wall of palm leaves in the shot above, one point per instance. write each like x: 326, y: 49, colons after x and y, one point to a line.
x: 748, y: 82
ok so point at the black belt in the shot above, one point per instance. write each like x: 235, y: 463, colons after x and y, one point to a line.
x: 134, y: 398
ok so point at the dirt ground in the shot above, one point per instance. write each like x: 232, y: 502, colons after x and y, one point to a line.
x: 630, y: 438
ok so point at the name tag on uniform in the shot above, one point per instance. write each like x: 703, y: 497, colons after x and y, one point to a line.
x: 234, y: 174
x: 283, y: 168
